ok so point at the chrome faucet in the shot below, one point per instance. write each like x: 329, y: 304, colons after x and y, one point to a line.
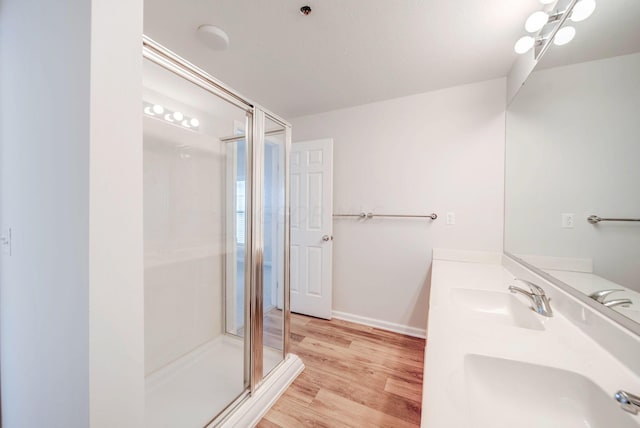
x: 539, y: 300
x: 629, y: 402
x: 618, y: 302
x: 599, y: 296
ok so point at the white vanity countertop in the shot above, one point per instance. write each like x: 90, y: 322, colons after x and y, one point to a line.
x: 455, y: 332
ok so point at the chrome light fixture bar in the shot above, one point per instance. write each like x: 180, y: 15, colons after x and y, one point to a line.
x: 548, y: 25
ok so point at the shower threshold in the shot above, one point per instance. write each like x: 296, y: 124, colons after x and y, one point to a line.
x: 190, y: 391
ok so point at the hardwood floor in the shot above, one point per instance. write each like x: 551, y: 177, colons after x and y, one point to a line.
x: 354, y: 376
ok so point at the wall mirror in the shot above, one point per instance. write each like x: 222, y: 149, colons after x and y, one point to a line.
x: 572, y: 196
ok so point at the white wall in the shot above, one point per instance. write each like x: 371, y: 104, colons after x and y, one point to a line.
x: 71, y: 344
x: 44, y: 295
x: 573, y: 147
x: 434, y: 152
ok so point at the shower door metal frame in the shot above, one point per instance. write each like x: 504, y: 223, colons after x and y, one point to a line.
x: 254, y: 237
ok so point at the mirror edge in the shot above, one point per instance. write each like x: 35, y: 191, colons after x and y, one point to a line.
x: 520, y: 71
x: 614, y: 316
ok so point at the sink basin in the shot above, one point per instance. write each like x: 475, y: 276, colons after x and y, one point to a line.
x: 496, y: 307
x: 506, y: 393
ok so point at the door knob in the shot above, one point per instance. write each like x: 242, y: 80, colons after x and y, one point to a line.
x: 327, y: 238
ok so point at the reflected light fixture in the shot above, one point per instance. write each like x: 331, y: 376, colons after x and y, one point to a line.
x: 564, y: 36
x: 582, y: 10
x: 177, y: 118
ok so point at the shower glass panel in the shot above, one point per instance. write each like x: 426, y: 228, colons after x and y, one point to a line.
x: 274, y: 244
x: 195, y: 202
x: 236, y: 292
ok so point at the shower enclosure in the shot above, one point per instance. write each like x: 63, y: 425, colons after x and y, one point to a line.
x: 216, y: 233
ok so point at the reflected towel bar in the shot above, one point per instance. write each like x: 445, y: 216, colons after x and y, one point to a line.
x: 364, y: 215
x: 594, y: 219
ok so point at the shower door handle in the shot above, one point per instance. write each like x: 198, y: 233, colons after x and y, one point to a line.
x: 327, y: 238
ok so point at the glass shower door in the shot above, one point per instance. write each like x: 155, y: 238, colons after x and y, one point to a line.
x: 193, y: 249
x: 216, y: 234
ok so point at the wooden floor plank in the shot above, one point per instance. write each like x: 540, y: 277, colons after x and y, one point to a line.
x: 412, y: 391
x: 287, y: 413
x: 355, y: 414
x: 355, y: 376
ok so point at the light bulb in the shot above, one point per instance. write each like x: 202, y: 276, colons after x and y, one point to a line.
x: 194, y: 122
x: 168, y: 117
x: 148, y: 111
x: 158, y: 109
x: 536, y: 21
x: 178, y: 116
x: 524, y: 44
x: 564, y: 36
x: 547, y: 1
x: 582, y: 10
x: 185, y: 123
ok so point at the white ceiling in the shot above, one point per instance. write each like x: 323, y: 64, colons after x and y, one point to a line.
x: 347, y: 52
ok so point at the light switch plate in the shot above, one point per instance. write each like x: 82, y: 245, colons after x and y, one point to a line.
x: 451, y: 218
x: 5, y: 241
x: 568, y: 220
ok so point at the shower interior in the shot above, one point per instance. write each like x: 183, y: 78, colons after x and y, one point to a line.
x: 215, y: 248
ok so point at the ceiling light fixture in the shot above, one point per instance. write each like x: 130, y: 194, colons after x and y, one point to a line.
x: 158, y: 111
x: 582, y: 10
x: 536, y: 21
x: 213, y: 37
x: 548, y: 25
x: 523, y: 44
x: 564, y: 36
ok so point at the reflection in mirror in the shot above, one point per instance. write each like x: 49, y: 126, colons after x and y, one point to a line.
x: 573, y: 151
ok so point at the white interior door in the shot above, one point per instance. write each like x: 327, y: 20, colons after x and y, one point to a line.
x: 311, y: 227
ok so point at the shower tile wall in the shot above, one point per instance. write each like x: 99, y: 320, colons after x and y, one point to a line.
x: 183, y: 204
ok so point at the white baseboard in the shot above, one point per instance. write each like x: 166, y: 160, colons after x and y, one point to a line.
x: 383, y: 325
x: 253, y: 409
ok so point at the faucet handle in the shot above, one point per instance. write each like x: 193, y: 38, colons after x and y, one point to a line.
x: 599, y: 296
x: 618, y: 302
x: 535, y: 289
x: 628, y: 402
